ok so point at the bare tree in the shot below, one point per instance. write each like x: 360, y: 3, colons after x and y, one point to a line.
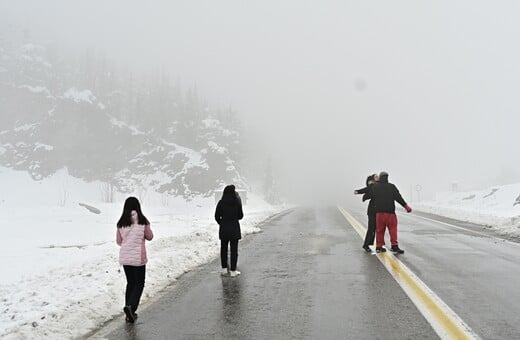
x: 107, y: 192
x: 64, y: 189
x: 141, y: 192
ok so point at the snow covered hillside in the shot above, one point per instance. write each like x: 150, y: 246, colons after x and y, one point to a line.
x: 497, y: 207
x: 59, y: 261
x: 105, y: 124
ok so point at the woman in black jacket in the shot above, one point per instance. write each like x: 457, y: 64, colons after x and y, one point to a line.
x: 371, y: 211
x: 227, y: 214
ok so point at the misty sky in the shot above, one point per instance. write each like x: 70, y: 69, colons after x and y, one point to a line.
x: 332, y: 90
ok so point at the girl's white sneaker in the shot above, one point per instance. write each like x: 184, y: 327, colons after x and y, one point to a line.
x: 224, y: 271
x: 234, y: 273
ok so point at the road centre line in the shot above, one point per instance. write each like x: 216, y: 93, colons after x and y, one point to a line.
x: 446, y: 323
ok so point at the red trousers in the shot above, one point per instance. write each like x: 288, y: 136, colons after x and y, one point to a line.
x: 384, y: 220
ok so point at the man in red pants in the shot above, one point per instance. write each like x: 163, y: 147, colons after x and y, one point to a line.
x: 384, y: 195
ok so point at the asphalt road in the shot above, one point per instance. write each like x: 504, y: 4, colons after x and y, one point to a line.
x: 304, y: 277
x: 473, y: 270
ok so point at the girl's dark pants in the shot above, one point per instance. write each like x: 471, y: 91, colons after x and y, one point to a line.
x: 134, y: 286
x: 371, y: 231
x: 224, y: 253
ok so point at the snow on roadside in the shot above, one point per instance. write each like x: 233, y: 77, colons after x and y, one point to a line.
x: 497, y: 207
x: 60, y: 263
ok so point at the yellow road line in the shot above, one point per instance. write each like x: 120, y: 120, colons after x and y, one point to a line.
x: 443, y: 319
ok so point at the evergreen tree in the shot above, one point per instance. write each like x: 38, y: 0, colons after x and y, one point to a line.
x: 269, y: 185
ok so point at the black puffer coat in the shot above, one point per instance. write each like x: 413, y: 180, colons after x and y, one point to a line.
x: 371, y: 210
x: 383, y: 194
x: 227, y: 214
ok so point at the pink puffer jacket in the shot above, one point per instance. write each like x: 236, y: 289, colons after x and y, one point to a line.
x: 131, y: 239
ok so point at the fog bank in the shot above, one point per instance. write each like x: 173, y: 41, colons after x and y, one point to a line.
x: 331, y: 91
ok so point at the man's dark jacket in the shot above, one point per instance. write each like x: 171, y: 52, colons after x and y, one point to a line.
x: 383, y: 194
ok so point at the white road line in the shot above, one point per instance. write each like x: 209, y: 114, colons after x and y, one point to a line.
x: 448, y: 224
x: 462, y: 228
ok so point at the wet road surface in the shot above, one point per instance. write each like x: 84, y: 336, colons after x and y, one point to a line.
x: 304, y: 277
x: 473, y: 270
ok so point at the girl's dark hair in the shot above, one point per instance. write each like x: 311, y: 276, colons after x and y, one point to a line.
x: 131, y: 203
x: 370, y: 179
x: 229, y: 194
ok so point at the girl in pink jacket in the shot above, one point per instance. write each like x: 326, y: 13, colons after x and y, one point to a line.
x: 133, y: 228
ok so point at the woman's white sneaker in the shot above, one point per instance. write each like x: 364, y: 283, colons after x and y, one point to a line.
x: 234, y: 273
x: 224, y: 271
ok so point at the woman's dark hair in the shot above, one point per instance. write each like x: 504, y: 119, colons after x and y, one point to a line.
x: 370, y: 179
x: 131, y: 203
x: 229, y: 194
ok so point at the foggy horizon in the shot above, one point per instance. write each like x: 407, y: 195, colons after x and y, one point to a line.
x: 330, y: 91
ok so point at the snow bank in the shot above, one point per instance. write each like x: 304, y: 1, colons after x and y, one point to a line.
x: 497, y: 207
x: 59, y: 261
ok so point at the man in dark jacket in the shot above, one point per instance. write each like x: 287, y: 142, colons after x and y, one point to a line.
x: 384, y: 194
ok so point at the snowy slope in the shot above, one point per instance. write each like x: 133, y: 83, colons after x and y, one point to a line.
x: 497, y: 207
x: 59, y: 260
x: 55, y: 113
